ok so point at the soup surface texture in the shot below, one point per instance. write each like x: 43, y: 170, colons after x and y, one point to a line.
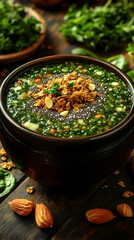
x: 68, y: 100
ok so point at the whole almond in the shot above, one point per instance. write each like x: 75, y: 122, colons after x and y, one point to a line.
x: 43, y: 216
x: 124, y: 210
x: 99, y: 215
x: 22, y: 206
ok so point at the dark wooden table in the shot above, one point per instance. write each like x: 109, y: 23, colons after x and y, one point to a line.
x: 68, y: 206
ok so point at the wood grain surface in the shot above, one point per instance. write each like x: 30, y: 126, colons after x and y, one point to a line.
x: 68, y: 206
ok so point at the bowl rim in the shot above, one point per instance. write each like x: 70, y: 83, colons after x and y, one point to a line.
x: 56, y: 58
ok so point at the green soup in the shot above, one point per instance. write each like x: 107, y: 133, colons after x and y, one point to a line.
x: 111, y: 104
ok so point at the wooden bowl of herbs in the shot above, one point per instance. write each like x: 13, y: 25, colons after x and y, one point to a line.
x: 23, y: 30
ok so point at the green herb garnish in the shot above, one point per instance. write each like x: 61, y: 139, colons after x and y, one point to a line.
x: 16, y: 31
x: 101, y: 27
x: 7, y: 182
x: 71, y: 84
x: 54, y: 89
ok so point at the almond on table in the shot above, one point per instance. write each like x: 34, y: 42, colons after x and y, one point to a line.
x: 124, y: 210
x: 43, y: 216
x: 22, y: 207
x: 99, y: 215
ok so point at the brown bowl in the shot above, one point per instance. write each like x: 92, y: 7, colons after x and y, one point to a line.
x: 66, y: 161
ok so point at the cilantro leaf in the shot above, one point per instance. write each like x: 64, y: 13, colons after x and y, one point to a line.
x: 54, y: 89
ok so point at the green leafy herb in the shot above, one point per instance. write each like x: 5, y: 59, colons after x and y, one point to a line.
x: 54, y: 89
x: 82, y: 51
x: 71, y: 84
x: 130, y: 51
x: 102, y: 27
x: 131, y: 75
x: 118, y: 60
x: 7, y: 182
x: 17, y: 32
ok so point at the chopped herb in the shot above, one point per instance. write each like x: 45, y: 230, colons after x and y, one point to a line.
x: 71, y: 84
x: 54, y: 89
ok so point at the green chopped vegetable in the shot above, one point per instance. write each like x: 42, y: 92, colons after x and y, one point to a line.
x: 7, y: 182
x: 17, y: 32
x: 101, y: 27
x: 54, y: 89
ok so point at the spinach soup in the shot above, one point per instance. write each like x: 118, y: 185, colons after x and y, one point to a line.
x: 68, y: 100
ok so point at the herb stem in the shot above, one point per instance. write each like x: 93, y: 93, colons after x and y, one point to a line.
x: 107, y: 4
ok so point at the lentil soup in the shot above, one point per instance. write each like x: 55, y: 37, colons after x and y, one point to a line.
x: 69, y: 100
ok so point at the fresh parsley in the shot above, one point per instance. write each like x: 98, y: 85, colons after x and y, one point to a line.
x: 102, y: 27
x: 17, y: 32
x: 54, y: 89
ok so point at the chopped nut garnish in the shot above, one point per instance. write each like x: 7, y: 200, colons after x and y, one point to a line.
x: 30, y: 189
x: 7, y: 165
x: 121, y: 183
x: 4, y: 158
x: 127, y: 194
x: 48, y: 102
x: 116, y: 172
x: 3, y: 152
x: 105, y: 186
x: 64, y: 93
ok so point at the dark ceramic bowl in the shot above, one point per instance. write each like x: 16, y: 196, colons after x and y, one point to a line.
x: 64, y: 161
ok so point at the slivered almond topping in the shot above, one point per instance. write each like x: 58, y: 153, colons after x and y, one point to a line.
x: 64, y: 113
x: 92, y: 86
x: 49, y: 102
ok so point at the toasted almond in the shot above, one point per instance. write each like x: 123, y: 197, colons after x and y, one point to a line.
x: 64, y: 113
x: 99, y: 215
x: 43, y: 216
x: 91, y: 86
x: 49, y: 102
x: 124, y: 210
x: 22, y: 206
